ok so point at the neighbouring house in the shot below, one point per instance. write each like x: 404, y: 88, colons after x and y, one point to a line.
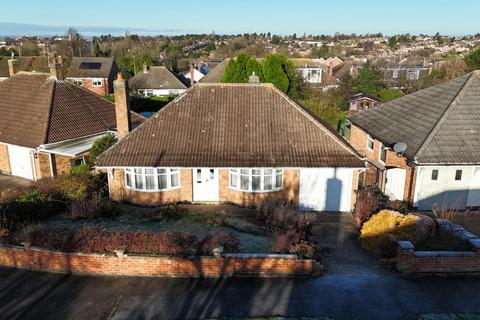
x: 360, y: 102
x: 197, y: 75
x: 312, y: 71
x: 394, y: 73
x: 93, y: 73
x: 423, y: 148
x: 157, y: 81
x: 236, y: 143
x: 48, y: 126
x: 11, y: 65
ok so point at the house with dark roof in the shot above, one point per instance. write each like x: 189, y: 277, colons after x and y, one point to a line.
x: 423, y: 148
x: 48, y: 126
x: 11, y: 65
x: 94, y: 73
x: 236, y: 143
x: 157, y: 81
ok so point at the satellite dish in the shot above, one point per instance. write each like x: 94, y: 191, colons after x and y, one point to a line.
x: 400, y: 147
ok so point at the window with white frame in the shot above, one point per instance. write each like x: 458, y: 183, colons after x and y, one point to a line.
x: 382, y: 154
x: 370, y: 142
x: 256, y: 180
x: 152, y: 179
x: 395, y: 74
x: 97, y: 82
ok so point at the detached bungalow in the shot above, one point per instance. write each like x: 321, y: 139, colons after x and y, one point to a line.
x: 47, y: 125
x: 157, y: 81
x: 236, y: 143
x: 424, y: 148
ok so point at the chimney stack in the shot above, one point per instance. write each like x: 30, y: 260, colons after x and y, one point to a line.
x: 122, y: 105
x: 192, y: 75
x: 56, y: 70
x: 253, y: 78
x: 11, y: 63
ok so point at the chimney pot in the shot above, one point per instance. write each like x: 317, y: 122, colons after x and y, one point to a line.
x: 122, y: 105
x: 145, y: 67
x: 253, y: 78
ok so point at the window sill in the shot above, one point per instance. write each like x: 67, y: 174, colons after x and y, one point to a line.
x: 152, y: 191
x: 259, y: 191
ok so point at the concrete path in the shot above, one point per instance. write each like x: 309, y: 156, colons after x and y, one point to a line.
x: 354, y: 287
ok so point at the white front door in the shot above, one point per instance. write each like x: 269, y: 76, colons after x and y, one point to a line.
x: 21, y: 161
x: 205, y: 185
x: 395, y: 186
x: 326, y: 189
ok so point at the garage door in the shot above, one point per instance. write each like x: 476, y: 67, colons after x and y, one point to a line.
x: 20, y: 161
x: 326, y: 189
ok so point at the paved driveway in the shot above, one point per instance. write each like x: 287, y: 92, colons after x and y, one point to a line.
x: 9, y: 181
x: 352, y: 288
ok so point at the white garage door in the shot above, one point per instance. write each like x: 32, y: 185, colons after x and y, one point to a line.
x: 326, y: 189
x: 20, y: 161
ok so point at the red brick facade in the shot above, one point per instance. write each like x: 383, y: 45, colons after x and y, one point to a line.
x: 118, y: 192
x: 103, y: 90
x: 376, y: 170
x: 148, y: 266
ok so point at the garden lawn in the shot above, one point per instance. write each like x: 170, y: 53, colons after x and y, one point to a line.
x: 199, y: 220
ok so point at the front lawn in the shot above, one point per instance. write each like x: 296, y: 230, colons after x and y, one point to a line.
x: 200, y: 220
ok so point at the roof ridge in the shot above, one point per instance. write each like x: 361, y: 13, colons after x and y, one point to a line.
x: 49, y: 113
x: 442, y: 118
x: 319, y: 123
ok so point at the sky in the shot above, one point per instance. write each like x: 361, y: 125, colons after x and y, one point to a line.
x: 448, y: 17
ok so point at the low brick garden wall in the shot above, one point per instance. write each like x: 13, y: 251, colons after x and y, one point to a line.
x: 410, y: 261
x: 267, y: 265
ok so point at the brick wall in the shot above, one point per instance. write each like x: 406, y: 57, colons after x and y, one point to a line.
x: 290, y: 192
x: 225, y: 265
x: 118, y: 192
x: 4, y: 159
x: 375, y: 171
x: 103, y: 90
x: 410, y: 261
x: 42, y: 165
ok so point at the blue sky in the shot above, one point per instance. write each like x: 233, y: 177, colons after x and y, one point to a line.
x: 277, y: 16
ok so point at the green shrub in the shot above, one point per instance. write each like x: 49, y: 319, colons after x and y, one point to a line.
x: 80, y: 170
x: 381, y: 232
x: 100, y: 146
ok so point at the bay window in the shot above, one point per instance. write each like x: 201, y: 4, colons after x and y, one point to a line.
x: 152, y: 179
x: 256, y: 180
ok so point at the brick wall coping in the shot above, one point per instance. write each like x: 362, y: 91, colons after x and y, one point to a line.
x: 120, y: 264
x: 414, y: 262
x: 444, y: 254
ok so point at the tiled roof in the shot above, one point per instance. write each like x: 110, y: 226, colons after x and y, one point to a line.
x: 216, y: 74
x: 37, y: 109
x: 38, y: 64
x: 232, y: 125
x: 439, y: 124
x: 92, y: 67
x: 157, y: 77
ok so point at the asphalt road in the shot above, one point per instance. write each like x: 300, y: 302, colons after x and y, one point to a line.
x: 354, y: 287
x: 34, y: 295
